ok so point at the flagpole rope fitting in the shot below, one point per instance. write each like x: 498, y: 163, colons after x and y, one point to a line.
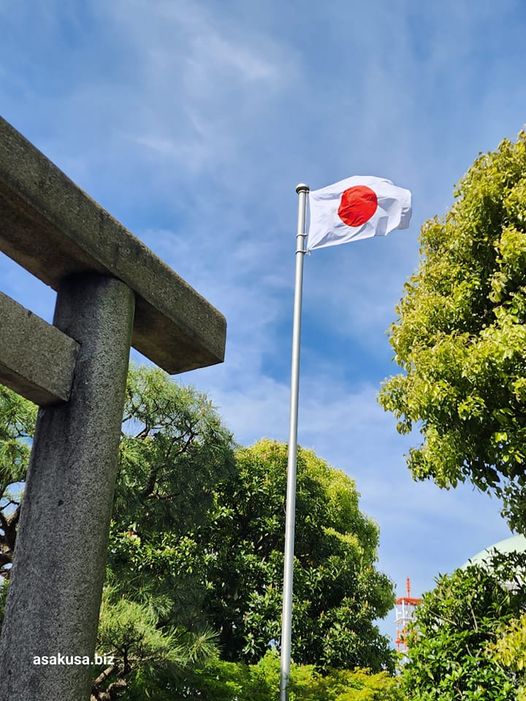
x: 300, y: 237
x: 302, y: 248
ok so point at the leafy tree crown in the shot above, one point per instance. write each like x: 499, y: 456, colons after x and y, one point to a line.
x: 461, y: 337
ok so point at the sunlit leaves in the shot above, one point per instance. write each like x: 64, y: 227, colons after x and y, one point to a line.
x: 226, y: 681
x: 461, y: 336
x: 509, y: 650
x: 17, y: 423
x: 452, y: 643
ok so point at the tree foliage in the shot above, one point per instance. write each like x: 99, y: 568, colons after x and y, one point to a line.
x: 509, y: 650
x: 224, y: 567
x: 17, y: 422
x: 144, y: 658
x: 461, y: 337
x: 338, y: 593
x: 224, y: 681
x: 452, y: 644
x: 174, y: 451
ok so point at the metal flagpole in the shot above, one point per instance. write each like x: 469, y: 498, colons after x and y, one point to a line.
x: 286, y: 620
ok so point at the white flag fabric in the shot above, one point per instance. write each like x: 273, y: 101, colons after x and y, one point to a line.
x: 356, y: 208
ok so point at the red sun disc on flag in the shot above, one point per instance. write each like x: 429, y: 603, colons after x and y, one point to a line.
x: 357, y: 205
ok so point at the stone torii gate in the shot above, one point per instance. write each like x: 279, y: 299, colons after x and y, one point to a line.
x: 112, y: 292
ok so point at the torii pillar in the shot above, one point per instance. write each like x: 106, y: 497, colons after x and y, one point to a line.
x: 113, y: 292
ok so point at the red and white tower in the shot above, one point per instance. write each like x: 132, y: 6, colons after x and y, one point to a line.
x: 405, y: 609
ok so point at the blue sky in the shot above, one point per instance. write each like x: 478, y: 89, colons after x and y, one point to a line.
x: 192, y: 122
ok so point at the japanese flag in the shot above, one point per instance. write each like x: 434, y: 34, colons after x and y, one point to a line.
x: 356, y: 208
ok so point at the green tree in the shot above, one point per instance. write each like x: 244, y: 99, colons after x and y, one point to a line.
x: 338, y: 592
x: 143, y: 659
x: 224, y: 681
x: 174, y: 451
x: 509, y: 650
x: 451, y: 644
x: 206, y: 531
x: 461, y: 337
x: 17, y: 422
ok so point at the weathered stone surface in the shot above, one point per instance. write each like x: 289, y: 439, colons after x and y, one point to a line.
x: 53, y: 229
x: 36, y: 359
x: 56, y: 585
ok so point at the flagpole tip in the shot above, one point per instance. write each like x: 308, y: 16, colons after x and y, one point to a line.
x: 302, y: 188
